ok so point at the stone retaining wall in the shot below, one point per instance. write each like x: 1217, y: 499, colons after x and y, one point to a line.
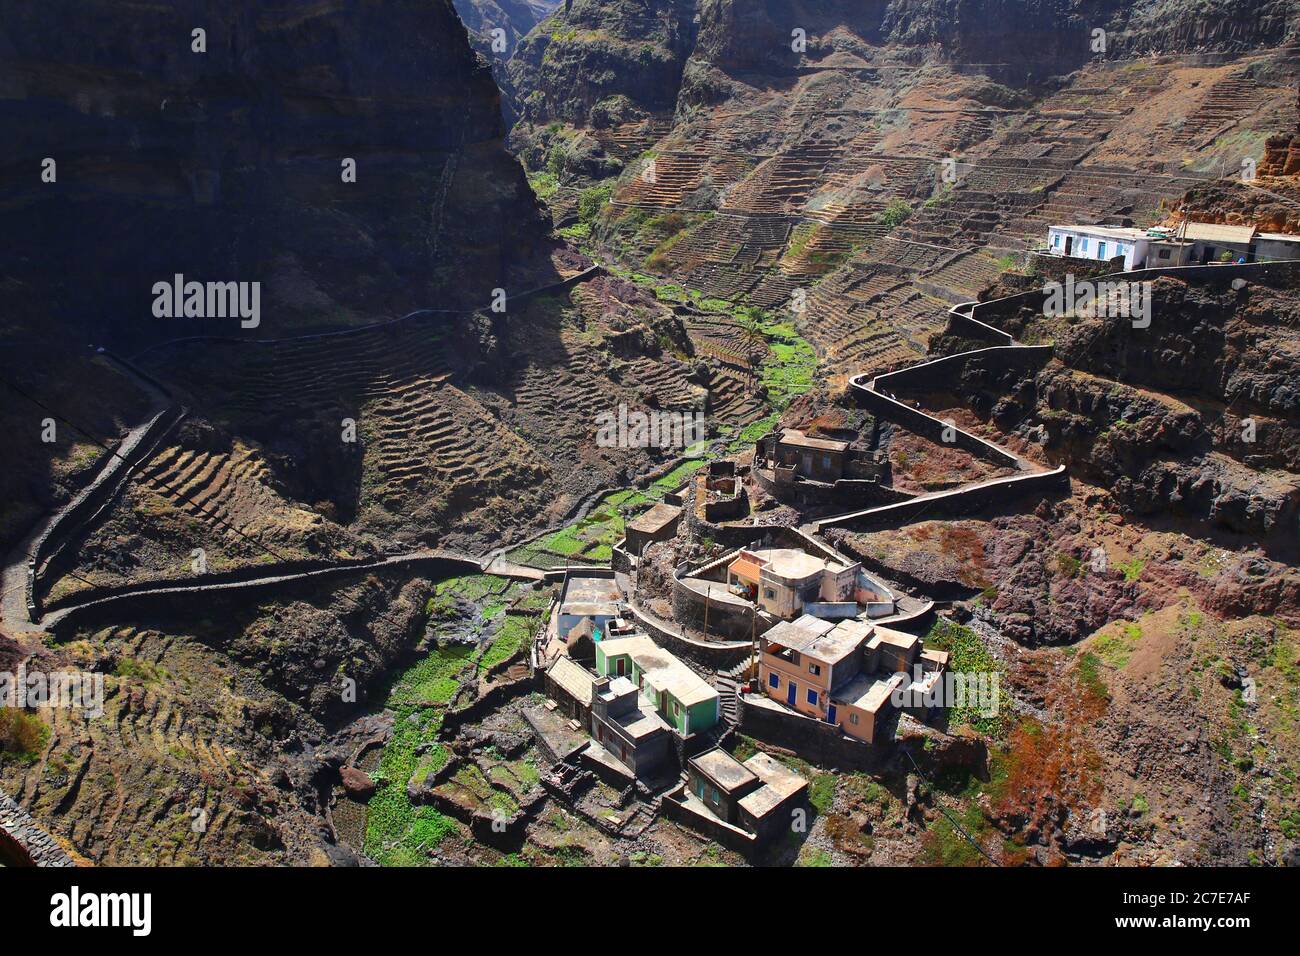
x: 23, y: 842
x: 814, y: 740
x: 236, y: 583
x: 961, y: 501
x: 718, y: 657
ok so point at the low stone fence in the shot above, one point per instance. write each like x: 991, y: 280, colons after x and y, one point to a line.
x: 966, y: 327
x: 813, y: 740
x: 844, y: 493
x: 134, y: 598
x: 496, y: 697
x: 729, y: 619
x: 930, y: 427
x: 675, y: 807
x: 718, y: 656
x: 959, y: 501
x: 1011, y: 306
x: 49, y: 551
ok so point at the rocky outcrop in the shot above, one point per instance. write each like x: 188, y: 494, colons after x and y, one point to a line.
x: 594, y: 57
x: 514, y: 18
x: 1194, y: 416
x: 220, y: 155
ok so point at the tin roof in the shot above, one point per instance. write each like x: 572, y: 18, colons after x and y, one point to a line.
x: 821, y: 640
x: 573, y: 678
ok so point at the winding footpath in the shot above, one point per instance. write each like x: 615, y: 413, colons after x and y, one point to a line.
x: 871, y: 389
x: 15, y: 614
x: 873, y: 395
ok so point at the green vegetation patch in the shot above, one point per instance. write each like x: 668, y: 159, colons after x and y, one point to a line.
x: 1117, y: 646
x: 23, y: 736
x: 514, y: 633
x: 399, y: 833
x: 589, y: 540
x: 969, y: 655
x: 792, y: 365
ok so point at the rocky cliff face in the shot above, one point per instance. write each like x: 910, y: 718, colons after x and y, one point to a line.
x: 595, y: 55
x: 1194, y: 416
x: 514, y: 18
x: 591, y: 51
x: 226, y: 150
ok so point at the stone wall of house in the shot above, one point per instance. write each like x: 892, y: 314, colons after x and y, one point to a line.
x: 723, y: 834
x: 814, y: 740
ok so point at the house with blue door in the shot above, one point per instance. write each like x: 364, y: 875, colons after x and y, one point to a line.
x: 844, y: 673
x: 1100, y: 243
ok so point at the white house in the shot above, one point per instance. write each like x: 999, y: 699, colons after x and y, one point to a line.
x: 1100, y: 243
x: 1276, y: 247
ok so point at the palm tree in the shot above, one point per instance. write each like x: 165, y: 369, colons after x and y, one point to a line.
x: 751, y: 326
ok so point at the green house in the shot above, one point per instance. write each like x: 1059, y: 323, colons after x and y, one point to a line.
x: 679, y: 695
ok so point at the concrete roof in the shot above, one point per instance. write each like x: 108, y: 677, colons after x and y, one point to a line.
x: 1278, y: 237
x: 887, y: 635
x: 584, y: 594
x: 573, y: 677
x: 938, y: 657
x: 867, y: 693
x: 779, y: 784
x: 792, y: 436
x: 1108, y: 232
x: 658, y: 517
x: 723, y: 769
x: 799, y: 633
x: 641, y: 721
x: 790, y: 563
x: 661, y: 670
x: 619, y: 686
x: 1216, y: 232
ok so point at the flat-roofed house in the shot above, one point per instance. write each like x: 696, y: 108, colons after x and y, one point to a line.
x: 1212, y: 241
x: 817, y: 459
x: 802, y: 660
x: 768, y: 810
x: 658, y: 524
x: 844, y: 673
x: 589, y: 595
x: 1276, y: 247
x: 627, y: 726
x: 678, y: 694
x: 862, y: 703
x: 1099, y: 243
x: 758, y: 796
x: 891, y: 650
x: 783, y: 580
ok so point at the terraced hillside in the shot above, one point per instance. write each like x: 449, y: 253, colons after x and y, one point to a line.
x: 866, y: 157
